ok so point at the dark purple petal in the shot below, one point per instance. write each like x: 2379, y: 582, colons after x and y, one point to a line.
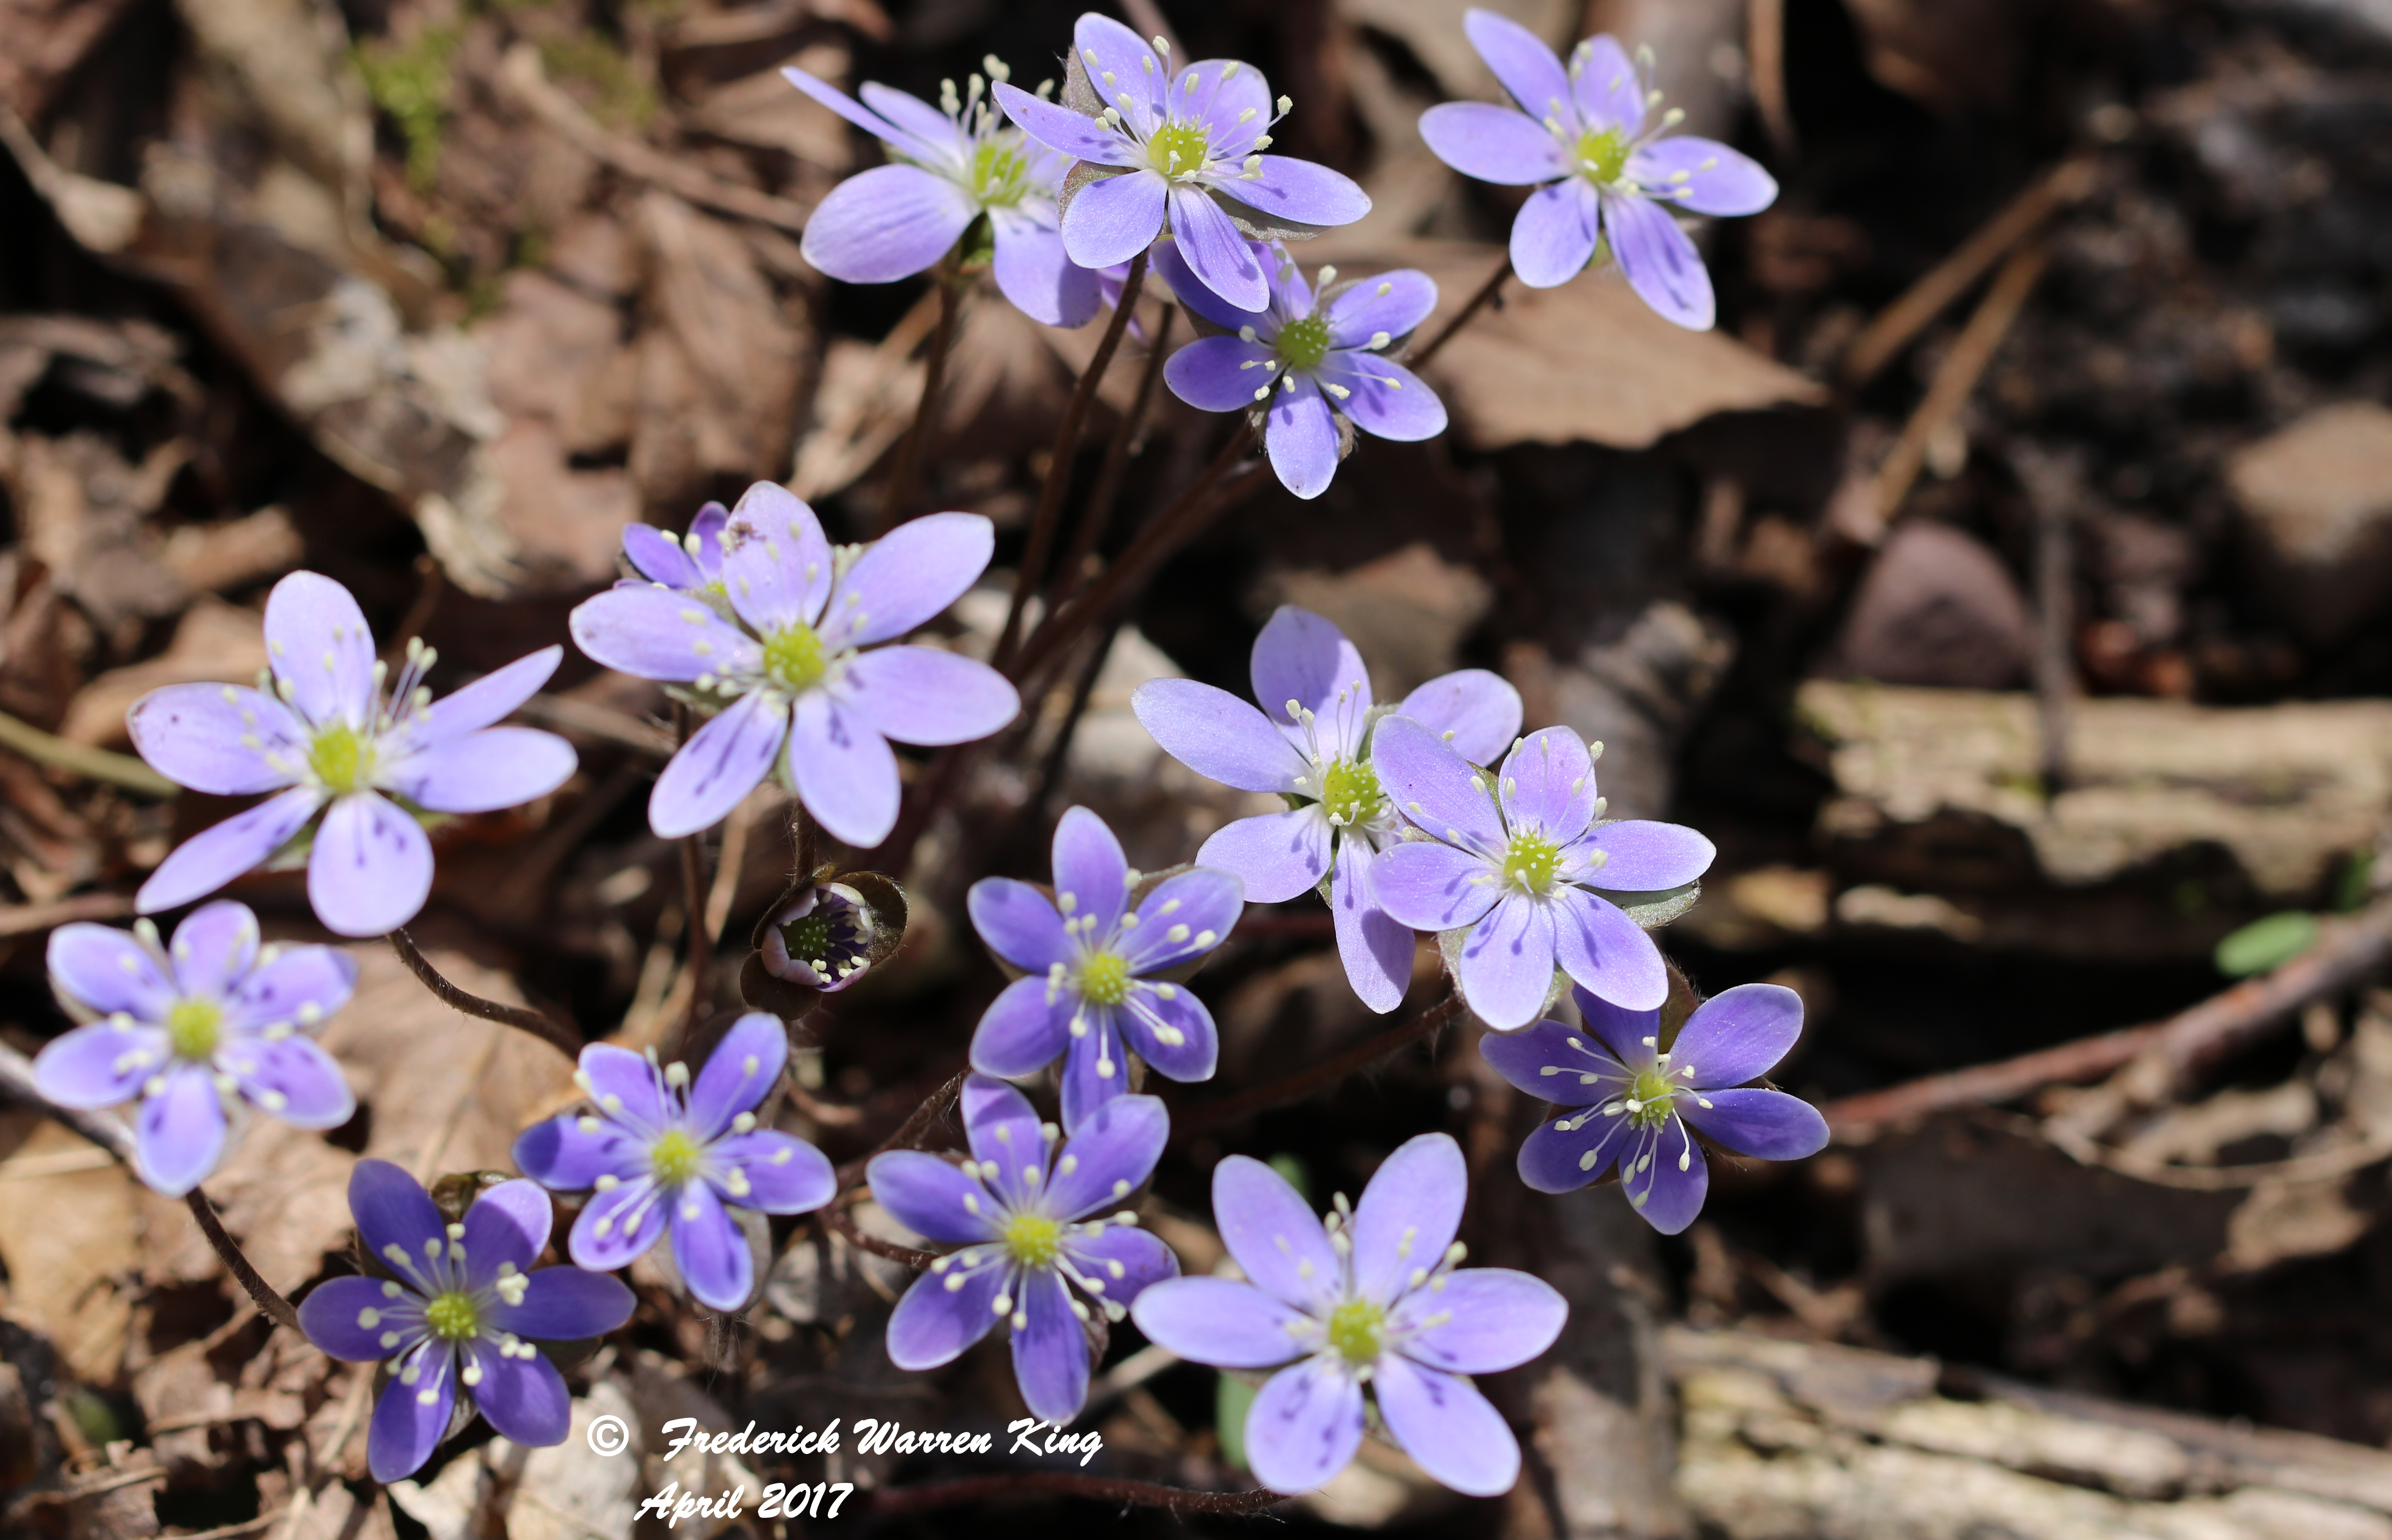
x: 1554, y: 234
x: 1609, y: 952
x: 1216, y: 252
x: 624, y: 1085
x: 1034, y: 271
x: 1376, y: 948
x: 927, y: 695
x: 721, y: 763
x: 301, y: 986
x: 1476, y: 711
x: 371, y: 869
x: 1276, y: 855
x: 907, y: 578
x: 506, y: 1227
x: 487, y: 699
x: 1121, y: 65
x: 926, y: 1196
x: 1430, y: 886
x: 1394, y: 302
x: 1558, y: 1159
x: 1630, y: 1036
x: 1113, y: 218
x: 1221, y: 374
x: 1610, y: 92
x: 1407, y: 1215
x: 931, y: 128
x: 394, y: 1214
x: 293, y: 1079
x: 1554, y: 1062
x: 525, y: 1399
x: 216, y: 944
x: 1125, y: 1259
x: 1171, y: 1030
x: 1443, y: 1422
x: 886, y: 224
x: 1192, y: 292
x: 1641, y: 856
x: 1493, y: 144
x: 1301, y: 439
x: 786, y: 1175
x: 209, y: 860
x: 743, y: 1065
x: 218, y: 738
x: 1547, y: 785
x: 179, y: 1135
x: 1385, y: 399
x: 104, y: 969
x: 709, y: 1249
x: 1019, y: 923
x: 1658, y: 260
x: 845, y: 771
x: 1094, y: 1070
x: 942, y: 1314
x: 1525, y: 64
x: 1703, y: 175
x: 1217, y: 735
x: 1273, y: 1234
x: 1003, y: 1128
x: 1737, y: 1035
x: 1050, y: 1352
x: 561, y: 1154
x: 1665, y: 1177
x: 1494, y: 1319
x: 1091, y: 874
x: 659, y: 558
x: 618, y: 1224
x: 1024, y: 1028
x: 1305, y: 1426
x: 98, y: 1064
x: 409, y: 1419
x: 1301, y: 190
x: 1185, y: 915
x: 1507, y: 963
x: 1435, y: 787
x: 481, y: 773
x: 1219, y: 1321
x: 1118, y: 1144
x: 1062, y: 130
x: 316, y: 641
x: 335, y: 1315
x: 659, y: 634
x: 776, y: 563
x: 1768, y: 1125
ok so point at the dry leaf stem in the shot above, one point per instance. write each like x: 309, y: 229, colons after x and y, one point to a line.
x: 908, y: 470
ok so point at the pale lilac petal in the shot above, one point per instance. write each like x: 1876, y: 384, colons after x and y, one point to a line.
x: 1192, y: 292
x: 625, y: 1087
x: 1375, y: 947
x: 1217, y: 735
x: 1493, y: 144
x: 886, y: 224
x: 1386, y: 399
x: 98, y: 1064
x: 926, y: 1195
x: 1214, y: 249
x: 1304, y: 1427
x: 1554, y: 1160
x: 1609, y: 952
x: 1219, y: 375
x: 855, y: 112
x: 487, y: 699
x: 106, y: 970
x: 1430, y: 886
x: 1443, y: 1421
x: 1555, y: 1062
x: 656, y: 634
x: 1126, y: 1260
x: 927, y: 695
x: 1526, y: 65
x: 1507, y: 964
x: 1091, y: 874
x: 1407, y: 1215
x: 330, y: 1317
x: 1301, y: 190
x: 721, y: 764
x: 786, y: 1175
x: 1769, y: 1125
x: 1062, y: 130
x: 1642, y: 856
x: 1659, y: 261
x: 393, y: 1210
x: 1276, y: 855
x: 925, y: 124
x: 1273, y: 1234
x: 1185, y: 915
x: 705, y: 541
x: 1554, y: 234
x: 279, y: 990
x: 743, y: 1065
x: 1300, y: 658
x: 999, y: 1121
x: 1218, y: 1321
x: 371, y: 869
x: 1547, y: 785
x: 1738, y: 1034
x: 1610, y: 92
x: 525, y: 1399
x: 559, y: 1153
x: 1050, y: 1350
x: 407, y: 1427
x: 293, y: 1079
x: 216, y: 944
x: 209, y: 860
x: 1665, y: 1177
x: 1034, y: 271
x: 845, y: 772
x: 1113, y: 218
x: 1716, y: 180
x: 907, y: 578
x: 1623, y: 1031
x: 1123, y: 54
x: 1488, y: 1319
x: 932, y: 1324
x: 659, y: 558
x: 1120, y: 1143
x: 1094, y: 1072
x: 218, y: 738
x: 1395, y: 303
x: 1434, y: 787
x: 618, y: 1224
x: 1302, y: 438
x: 776, y: 563
x: 709, y: 1249
x: 317, y: 642
x: 1020, y: 923
x: 565, y: 1304
x: 481, y: 773
x: 1476, y: 711
x: 506, y: 1227
x: 1208, y: 92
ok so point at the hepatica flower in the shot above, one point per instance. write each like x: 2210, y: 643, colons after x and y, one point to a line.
x: 1179, y: 151
x: 664, y: 1153
x: 1095, y: 990
x: 462, y: 1308
x: 689, y: 563
x: 1372, y: 1298
x: 1636, y: 1102
x: 803, y: 666
x: 328, y: 738
x: 1516, y: 859
x: 211, y: 1020
x: 1307, y: 361
x: 1605, y: 166
x: 1310, y: 744
x: 949, y: 167
x: 1038, y: 1250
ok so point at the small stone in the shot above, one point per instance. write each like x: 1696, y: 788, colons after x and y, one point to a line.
x: 1938, y: 608
x: 2316, y: 506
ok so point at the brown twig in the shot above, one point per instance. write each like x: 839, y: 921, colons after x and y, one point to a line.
x: 701, y: 935
x: 1764, y: 51
x: 917, y: 1122
x: 1295, y: 1087
x: 32, y: 919
x: 564, y: 1038
x: 2054, y: 605
x: 890, y: 1501
x: 934, y: 372
x: 835, y: 1214
x: 1101, y: 497
x: 1486, y: 294
x: 271, y: 1303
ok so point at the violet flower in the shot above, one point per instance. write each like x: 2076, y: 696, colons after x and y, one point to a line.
x: 821, y: 939
x: 1320, y: 357
x: 688, y: 563
x: 1515, y: 859
x: 1605, y: 166
x: 1638, y: 1100
x: 949, y: 167
x: 463, y: 1307
x: 1310, y: 744
x: 1036, y: 1249
x: 1372, y: 1298
x: 328, y: 739
x: 664, y: 1153
x: 1181, y: 152
x: 211, y: 1020
x: 804, y: 669
x: 1092, y: 993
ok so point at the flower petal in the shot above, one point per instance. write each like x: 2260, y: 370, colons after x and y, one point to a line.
x: 1554, y: 1062
x: 227, y: 739
x: 1301, y: 437
x: 560, y: 1153
x: 1113, y: 218
x: 1035, y: 272
x: 1276, y: 855
x: 1436, y: 787
x: 1630, y: 1035
x: 1216, y: 252
x: 845, y: 771
x: 1219, y: 375
x: 1185, y: 915
x: 105, y: 970
x: 659, y: 558
x: 1274, y: 1235
x: 1554, y: 234
x: 786, y: 1175
x: 1375, y: 947
x: 1610, y: 92
x: 1768, y: 1125
x: 1020, y: 924
x: 907, y: 578
x: 507, y: 1226
x: 1060, y: 129
x: 1384, y: 398
x: 1191, y: 1051
x: 1395, y: 303
x: 777, y: 565
x: 1218, y: 92
x: 410, y: 1420
x: 928, y: 695
x: 1507, y: 964
x: 1703, y: 175
x: 1119, y: 1142
x: 525, y: 1399
x: 926, y: 1196
x: 942, y: 1314
x: 1609, y: 952
x: 1737, y: 1035
x: 1659, y: 261
x: 334, y: 1315
x: 1302, y: 659
x: 1222, y: 1322
x: 301, y: 986
x: 656, y: 634
x: 481, y: 773
x: 1301, y: 190
x: 1126, y: 1260
x: 293, y: 1079
x: 721, y: 764
x: 1492, y: 1319
x: 1430, y: 886
x: 394, y: 1214
x: 928, y: 127
x: 1217, y: 735
x: 179, y: 1133
x: 371, y: 869
x: 625, y: 1088
x: 705, y: 540
x: 1192, y: 292
x: 1304, y: 1427
x: 1024, y: 1030
x: 216, y: 856
x: 487, y: 699
x: 1493, y: 144
x: 1091, y: 874
x: 1407, y: 1215
x: 1644, y: 856
x: 565, y: 1304
x: 98, y: 1064
x: 216, y: 944
x: 1558, y: 1159
x: 1525, y: 64
x: 710, y: 1248
x: 743, y: 1065
x: 1050, y: 1350
x: 1547, y: 785
x: 1120, y: 64
x: 886, y: 224
x: 1443, y: 1421
x: 620, y: 1225
x: 1002, y: 1129
x: 855, y: 112
x: 1476, y: 711
x: 1665, y: 1177
x: 317, y: 642
x: 1095, y: 1071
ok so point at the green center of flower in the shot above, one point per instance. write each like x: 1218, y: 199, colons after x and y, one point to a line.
x: 1177, y: 149
x: 452, y: 1315
x: 1651, y: 1091
x: 341, y: 759
x: 1304, y: 344
x: 1033, y: 1239
x: 1000, y: 173
x: 1104, y: 979
x: 808, y: 938
x: 1531, y: 862
x: 192, y: 1028
x: 1603, y: 154
x: 1349, y: 790
x: 1353, y: 1330
x: 675, y: 1157
x: 793, y: 658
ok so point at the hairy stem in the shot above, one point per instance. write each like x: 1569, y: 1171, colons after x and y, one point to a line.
x: 1480, y: 301
x: 701, y: 934
x: 1101, y: 497
x: 835, y: 1214
x: 273, y: 1305
x: 907, y: 470
x: 917, y: 1123
x: 564, y: 1038
x: 1295, y: 1088
x: 894, y: 1500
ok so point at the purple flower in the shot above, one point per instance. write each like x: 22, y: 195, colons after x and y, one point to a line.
x: 821, y: 939
x: 662, y: 1153
x: 1092, y: 995
x: 794, y: 672
x: 691, y: 564
x: 1019, y: 1207
x: 1182, y: 152
x: 1639, y: 1099
x: 1514, y: 860
x: 1312, y: 745
x: 1371, y: 1297
x: 188, y: 1028
x: 462, y: 1305
x: 1604, y: 168
x: 948, y: 167
x: 334, y: 742
x: 1324, y: 356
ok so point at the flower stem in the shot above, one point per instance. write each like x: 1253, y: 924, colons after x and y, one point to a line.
x: 701, y: 935
x: 1059, y: 469
x: 917, y: 1122
x: 835, y: 1214
x: 1480, y: 301
x: 273, y: 1305
x: 1295, y: 1088
x: 907, y: 470
x: 1101, y: 497
x: 890, y: 1501
x: 564, y: 1038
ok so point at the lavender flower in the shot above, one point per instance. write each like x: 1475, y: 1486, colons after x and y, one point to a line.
x: 1312, y: 745
x: 463, y: 1306
x: 1323, y: 353
x: 1181, y: 152
x: 189, y: 1027
x: 334, y: 743
x: 691, y: 564
x: 1604, y: 168
x: 794, y: 670
x: 1639, y: 1099
x: 1092, y: 993
x: 664, y: 1153
x: 1020, y: 1207
x: 949, y: 167
x: 1372, y: 1298
x: 823, y: 939
x: 1516, y: 862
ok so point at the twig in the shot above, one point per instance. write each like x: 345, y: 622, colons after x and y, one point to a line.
x: 32, y: 919
x: 895, y: 1500
x: 272, y: 1304
x: 934, y: 372
x: 701, y: 935
x: 1480, y: 301
x: 835, y: 1214
x: 579, y: 718
x: 917, y: 1122
x: 539, y: 1024
x: 1764, y: 51
x: 1101, y: 497
x: 2055, y: 672
x: 1295, y: 1087
x: 92, y: 764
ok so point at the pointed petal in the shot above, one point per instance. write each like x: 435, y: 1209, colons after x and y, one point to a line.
x: 1493, y: 144
x: 565, y: 1304
x: 743, y: 1065
x: 395, y: 1218
x: 1050, y: 1352
x: 926, y: 1196
x: 1215, y: 250
x: 1219, y: 375
x: 488, y: 699
x: 856, y: 112
x: 371, y: 869
x: 1217, y: 735
x: 1554, y: 1062
x: 1384, y: 398
x: 658, y: 556
x: 1187, y: 915
x: 1228, y: 1324
x: 1443, y: 1421
x: 333, y: 1316
x: 1666, y: 1177
x: 216, y: 856
x: 845, y: 771
x: 1062, y: 130
x: 1555, y: 1159
x: 1630, y: 1035
x: 1703, y: 175
x: 907, y: 578
x: 409, y: 1419
x: 926, y: 124
x: 1768, y: 1125
x: 1554, y: 234
x: 525, y: 1399
x: 1609, y: 952
x: 1192, y: 292
x: 218, y: 738
x: 1659, y: 261
x: 1524, y: 63
x: 1304, y: 1427
x: 1435, y: 787
x: 721, y: 764
x: 560, y: 1153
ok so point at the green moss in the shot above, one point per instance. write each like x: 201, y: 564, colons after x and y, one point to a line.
x: 411, y: 81
x: 622, y: 98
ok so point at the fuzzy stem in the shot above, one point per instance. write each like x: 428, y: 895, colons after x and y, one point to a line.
x: 835, y: 1214
x: 701, y: 935
x: 917, y: 1122
x: 273, y: 1305
x: 890, y: 1501
x: 1101, y: 497
x: 1480, y: 301
x: 564, y: 1038
x: 1295, y: 1087
x: 907, y: 470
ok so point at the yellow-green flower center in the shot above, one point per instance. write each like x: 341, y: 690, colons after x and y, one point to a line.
x: 1531, y: 862
x: 1304, y: 344
x: 793, y: 658
x: 1177, y: 149
x: 1104, y: 979
x: 1651, y: 1090
x: 1033, y: 1239
x: 1349, y: 790
x: 808, y: 938
x: 452, y: 1315
x: 675, y: 1157
x: 1603, y: 154
x: 1000, y: 173
x: 193, y: 1027
x: 1354, y: 1331
x: 341, y: 759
